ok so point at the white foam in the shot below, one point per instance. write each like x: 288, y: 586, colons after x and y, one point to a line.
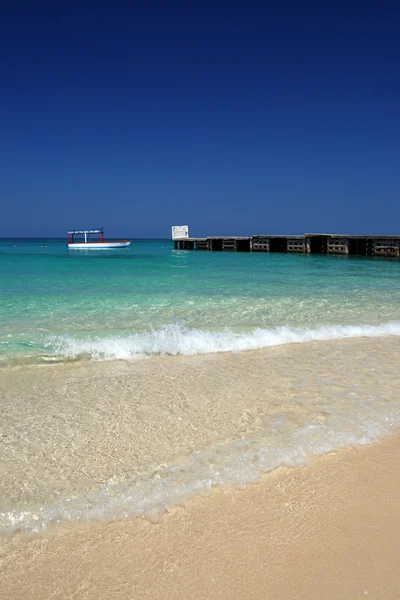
x: 174, y: 339
x: 233, y: 465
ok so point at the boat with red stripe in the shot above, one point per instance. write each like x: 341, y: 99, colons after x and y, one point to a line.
x: 92, y: 239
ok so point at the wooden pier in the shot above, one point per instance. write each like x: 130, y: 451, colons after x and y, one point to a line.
x: 309, y: 243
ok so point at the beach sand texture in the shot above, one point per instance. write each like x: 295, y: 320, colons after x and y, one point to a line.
x: 328, y: 531
x: 310, y: 423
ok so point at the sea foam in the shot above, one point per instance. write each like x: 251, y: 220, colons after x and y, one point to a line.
x: 174, y: 339
x: 234, y: 465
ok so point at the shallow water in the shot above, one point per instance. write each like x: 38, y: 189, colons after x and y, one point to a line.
x: 85, y: 437
x: 101, y: 441
x: 60, y: 304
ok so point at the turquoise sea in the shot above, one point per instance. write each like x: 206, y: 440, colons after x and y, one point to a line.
x: 85, y: 437
x: 60, y: 304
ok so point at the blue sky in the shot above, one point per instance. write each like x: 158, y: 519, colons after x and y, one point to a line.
x: 233, y: 119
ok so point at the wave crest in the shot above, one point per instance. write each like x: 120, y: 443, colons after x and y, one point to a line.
x: 175, y: 339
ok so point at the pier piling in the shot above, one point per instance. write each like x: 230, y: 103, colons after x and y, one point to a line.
x: 309, y: 243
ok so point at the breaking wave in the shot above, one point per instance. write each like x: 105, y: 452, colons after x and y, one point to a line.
x: 175, y: 339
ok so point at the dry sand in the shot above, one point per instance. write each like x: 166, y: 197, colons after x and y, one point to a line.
x: 327, y: 531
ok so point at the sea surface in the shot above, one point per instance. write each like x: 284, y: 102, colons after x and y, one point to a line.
x: 133, y: 379
x: 60, y: 304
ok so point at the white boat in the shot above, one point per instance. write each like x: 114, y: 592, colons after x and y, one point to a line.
x: 87, y: 243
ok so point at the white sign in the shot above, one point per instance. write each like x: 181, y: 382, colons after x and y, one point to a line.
x: 180, y: 232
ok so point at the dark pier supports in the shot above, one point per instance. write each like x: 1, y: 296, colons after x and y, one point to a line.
x: 236, y: 244
x: 192, y: 244
x: 310, y: 243
x: 184, y: 244
x: 260, y: 243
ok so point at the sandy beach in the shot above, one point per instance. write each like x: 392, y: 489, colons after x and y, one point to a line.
x: 322, y: 525
x: 199, y: 301
x: 330, y: 530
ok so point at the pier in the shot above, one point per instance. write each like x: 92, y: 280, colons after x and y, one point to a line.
x: 309, y: 243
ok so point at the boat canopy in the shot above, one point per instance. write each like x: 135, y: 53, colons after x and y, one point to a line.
x: 83, y: 231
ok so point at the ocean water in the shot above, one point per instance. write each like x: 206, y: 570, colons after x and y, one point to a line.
x: 60, y: 304
x: 133, y: 379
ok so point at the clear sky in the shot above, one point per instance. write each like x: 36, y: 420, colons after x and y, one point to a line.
x: 233, y: 118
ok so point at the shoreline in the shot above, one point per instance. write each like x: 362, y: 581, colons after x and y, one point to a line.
x: 174, y: 340
x: 329, y: 530
x: 98, y: 442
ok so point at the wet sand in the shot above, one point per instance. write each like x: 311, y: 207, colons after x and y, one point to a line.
x: 327, y: 531
x: 72, y: 429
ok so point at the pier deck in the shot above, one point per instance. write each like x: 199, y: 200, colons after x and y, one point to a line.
x: 309, y: 243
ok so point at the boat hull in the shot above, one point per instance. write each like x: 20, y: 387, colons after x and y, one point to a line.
x: 98, y: 245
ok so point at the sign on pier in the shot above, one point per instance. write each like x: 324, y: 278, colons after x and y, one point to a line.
x: 180, y: 232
